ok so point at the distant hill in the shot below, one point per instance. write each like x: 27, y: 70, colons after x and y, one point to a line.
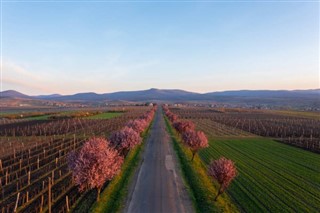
x: 280, y: 98
x: 143, y: 95
x: 89, y: 96
x: 16, y: 94
x: 300, y: 98
x: 12, y: 94
x: 153, y: 94
x: 47, y: 96
x: 266, y: 93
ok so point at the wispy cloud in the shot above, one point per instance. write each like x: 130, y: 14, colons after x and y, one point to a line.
x: 25, y: 85
x: 107, y: 77
x: 18, y: 76
x: 12, y: 69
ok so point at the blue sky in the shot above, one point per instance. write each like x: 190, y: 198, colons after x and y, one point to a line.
x: 74, y: 46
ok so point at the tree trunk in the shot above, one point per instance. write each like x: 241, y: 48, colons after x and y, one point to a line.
x: 193, y: 154
x: 98, y: 195
x: 219, y: 192
x: 125, y: 152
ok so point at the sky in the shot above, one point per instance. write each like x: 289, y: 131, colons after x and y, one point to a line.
x: 68, y: 47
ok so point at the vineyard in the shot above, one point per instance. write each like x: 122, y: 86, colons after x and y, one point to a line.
x: 297, y: 131
x: 33, y: 167
x: 35, y: 175
x: 273, y: 177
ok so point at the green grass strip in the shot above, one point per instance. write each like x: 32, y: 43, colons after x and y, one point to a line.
x: 112, y: 199
x: 38, y: 118
x: 201, y: 188
x: 106, y: 115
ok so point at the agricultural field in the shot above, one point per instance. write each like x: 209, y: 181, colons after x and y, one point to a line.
x: 273, y: 176
x: 294, y: 129
x: 105, y: 115
x: 33, y: 167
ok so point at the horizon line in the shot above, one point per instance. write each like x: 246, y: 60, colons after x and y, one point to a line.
x: 152, y: 88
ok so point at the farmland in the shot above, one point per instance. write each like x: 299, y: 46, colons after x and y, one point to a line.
x: 272, y: 176
x: 105, y: 115
x: 33, y: 167
x: 290, y: 129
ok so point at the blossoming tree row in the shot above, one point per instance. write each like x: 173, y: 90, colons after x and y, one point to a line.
x: 222, y: 170
x: 193, y: 139
x: 100, y: 159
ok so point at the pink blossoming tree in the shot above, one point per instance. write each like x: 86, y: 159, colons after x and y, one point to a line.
x: 172, y: 117
x: 94, y: 164
x: 195, y: 140
x: 125, y: 140
x: 224, y: 171
x: 138, y: 125
x: 184, y: 126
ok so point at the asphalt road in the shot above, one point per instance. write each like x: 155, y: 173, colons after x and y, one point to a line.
x: 158, y: 186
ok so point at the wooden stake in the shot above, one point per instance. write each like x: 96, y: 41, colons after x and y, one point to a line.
x: 29, y: 177
x: 2, y: 193
x: 52, y: 176
x: 16, y: 206
x: 41, y: 206
x: 7, y: 177
x: 67, y: 203
x: 49, y: 195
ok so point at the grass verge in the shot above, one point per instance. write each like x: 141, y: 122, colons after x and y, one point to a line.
x: 112, y: 199
x: 201, y: 189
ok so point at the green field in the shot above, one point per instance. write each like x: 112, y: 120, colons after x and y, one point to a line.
x: 272, y: 176
x: 106, y: 115
x: 40, y: 117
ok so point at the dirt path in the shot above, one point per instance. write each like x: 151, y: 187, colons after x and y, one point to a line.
x: 158, y: 185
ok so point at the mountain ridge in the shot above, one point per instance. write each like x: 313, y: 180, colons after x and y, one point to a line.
x: 176, y: 92
x: 154, y: 94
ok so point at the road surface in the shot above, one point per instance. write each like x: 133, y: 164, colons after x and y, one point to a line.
x: 158, y: 186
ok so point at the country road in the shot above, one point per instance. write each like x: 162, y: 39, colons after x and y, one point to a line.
x: 158, y: 186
